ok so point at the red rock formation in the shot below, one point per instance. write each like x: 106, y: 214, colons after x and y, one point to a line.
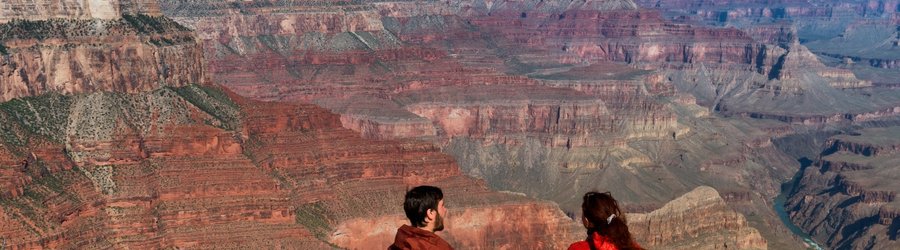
x: 493, y: 85
x: 13, y: 174
x: 75, y: 9
x: 699, y: 219
x: 190, y: 185
x: 130, y: 54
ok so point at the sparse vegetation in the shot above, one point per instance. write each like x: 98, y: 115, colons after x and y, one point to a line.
x: 212, y: 101
x: 8, y: 133
x: 144, y: 25
x: 314, y: 216
x: 45, y: 115
x: 153, y: 24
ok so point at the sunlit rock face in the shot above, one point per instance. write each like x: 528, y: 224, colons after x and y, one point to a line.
x: 73, y: 47
x: 699, y: 219
x: 75, y: 9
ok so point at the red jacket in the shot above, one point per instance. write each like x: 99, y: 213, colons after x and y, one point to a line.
x: 600, y: 242
x: 411, y: 238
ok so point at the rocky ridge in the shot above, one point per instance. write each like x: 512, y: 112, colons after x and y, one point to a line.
x: 130, y: 53
x: 699, y: 219
x: 847, y: 197
x: 75, y: 9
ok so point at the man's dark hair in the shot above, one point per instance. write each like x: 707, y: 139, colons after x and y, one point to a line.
x: 418, y: 201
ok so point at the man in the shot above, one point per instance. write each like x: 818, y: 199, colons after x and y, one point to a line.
x: 424, y: 206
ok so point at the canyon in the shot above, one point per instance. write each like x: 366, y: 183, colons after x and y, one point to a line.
x: 264, y: 124
x: 250, y: 174
x: 852, y: 183
x: 513, y: 109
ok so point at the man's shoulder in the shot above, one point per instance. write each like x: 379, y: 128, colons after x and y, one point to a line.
x: 416, y: 244
x: 414, y: 238
x: 442, y: 244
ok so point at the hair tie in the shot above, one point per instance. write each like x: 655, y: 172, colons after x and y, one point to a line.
x: 610, y: 218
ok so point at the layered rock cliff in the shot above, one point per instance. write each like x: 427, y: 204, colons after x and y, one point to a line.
x: 854, y: 40
x: 699, y: 219
x: 848, y: 197
x: 75, y: 9
x: 541, y: 41
x: 131, y: 53
x: 195, y: 166
x: 547, y: 98
x: 536, y: 97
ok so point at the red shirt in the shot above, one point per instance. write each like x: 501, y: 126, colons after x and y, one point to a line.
x: 411, y: 238
x: 600, y: 242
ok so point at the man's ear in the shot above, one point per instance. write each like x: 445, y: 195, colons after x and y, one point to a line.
x: 431, y: 214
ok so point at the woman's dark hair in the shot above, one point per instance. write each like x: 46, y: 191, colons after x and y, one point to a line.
x: 418, y: 201
x: 602, y: 210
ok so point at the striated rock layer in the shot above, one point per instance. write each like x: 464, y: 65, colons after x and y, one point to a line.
x: 699, y: 219
x: 195, y: 166
x: 848, y: 197
x: 74, y: 9
x: 844, y: 35
x: 547, y: 98
x: 129, y: 54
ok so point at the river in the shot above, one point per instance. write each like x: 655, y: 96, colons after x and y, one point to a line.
x: 786, y: 189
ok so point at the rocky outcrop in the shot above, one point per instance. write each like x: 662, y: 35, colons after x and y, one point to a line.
x: 373, y: 127
x: 481, y: 116
x: 847, y: 198
x: 75, y: 9
x: 877, y: 141
x: 129, y: 54
x: 699, y: 219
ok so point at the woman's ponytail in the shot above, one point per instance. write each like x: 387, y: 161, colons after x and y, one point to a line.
x: 607, y: 220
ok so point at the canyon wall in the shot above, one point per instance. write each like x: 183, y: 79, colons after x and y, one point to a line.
x: 548, y: 99
x: 520, y: 93
x: 129, y: 53
x: 543, y: 98
x: 74, y: 9
x: 847, y: 198
x: 195, y: 166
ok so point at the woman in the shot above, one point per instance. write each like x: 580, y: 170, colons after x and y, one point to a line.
x: 605, y: 223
